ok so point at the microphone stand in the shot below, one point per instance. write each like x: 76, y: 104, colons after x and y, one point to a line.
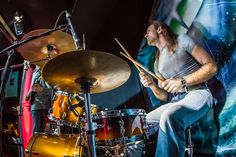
x: 4, y: 77
x: 85, y: 87
x: 72, y: 30
x: 15, y: 45
x: 6, y: 71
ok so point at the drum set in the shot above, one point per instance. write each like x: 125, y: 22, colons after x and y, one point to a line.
x: 76, y: 74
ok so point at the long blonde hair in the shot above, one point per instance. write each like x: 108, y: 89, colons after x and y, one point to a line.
x: 169, y: 35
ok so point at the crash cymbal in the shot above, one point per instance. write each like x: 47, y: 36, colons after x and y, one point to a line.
x: 73, y: 70
x: 40, y: 50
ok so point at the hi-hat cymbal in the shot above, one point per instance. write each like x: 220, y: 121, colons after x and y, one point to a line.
x: 40, y: 50
x: 73, y: 70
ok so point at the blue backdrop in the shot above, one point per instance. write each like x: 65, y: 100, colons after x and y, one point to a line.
x: 212, y: 24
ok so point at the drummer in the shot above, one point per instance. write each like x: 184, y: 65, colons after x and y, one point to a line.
x: 184, y: 86
x: 40, y: 100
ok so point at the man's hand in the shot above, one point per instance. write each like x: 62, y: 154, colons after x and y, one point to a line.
x: 37, y: 88
x: 146, y: 79
x: 172, y: 85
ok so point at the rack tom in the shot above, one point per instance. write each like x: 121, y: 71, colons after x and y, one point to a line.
x: 120, y: 126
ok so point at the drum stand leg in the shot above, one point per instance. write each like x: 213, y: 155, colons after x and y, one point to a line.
x: 117, y: 149
x: 113, y: 151
x: 90, y: 132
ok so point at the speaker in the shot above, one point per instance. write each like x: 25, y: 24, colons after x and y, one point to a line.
x: 12, y: 85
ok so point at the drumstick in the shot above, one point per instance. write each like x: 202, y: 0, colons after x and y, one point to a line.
x: 126, y: 53
x: 142, y: 67
x: 13, y: 37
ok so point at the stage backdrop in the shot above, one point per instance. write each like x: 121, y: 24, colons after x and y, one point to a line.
x: 212, y: 24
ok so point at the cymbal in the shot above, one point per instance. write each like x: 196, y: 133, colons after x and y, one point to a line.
x: 40, y: 50
x: 99, y: 70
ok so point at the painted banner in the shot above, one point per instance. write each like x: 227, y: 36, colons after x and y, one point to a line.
x: 212, y: 24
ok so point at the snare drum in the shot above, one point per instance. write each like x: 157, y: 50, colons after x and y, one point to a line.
x: 120, y: 126
x: 48, y: 145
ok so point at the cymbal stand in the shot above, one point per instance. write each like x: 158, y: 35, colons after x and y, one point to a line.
x: 90, y: 131
x: 117, y: 149
x: 113, y: 151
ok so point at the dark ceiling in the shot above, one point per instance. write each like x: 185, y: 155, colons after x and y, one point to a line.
x: 100, y: 20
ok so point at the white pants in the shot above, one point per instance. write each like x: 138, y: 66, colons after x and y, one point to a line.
x: 171, y: 120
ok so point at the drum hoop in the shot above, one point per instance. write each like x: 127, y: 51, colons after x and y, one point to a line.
x: 62, y: 122
x: 117, y: 141
x: 62, y: 92
x: 118, y: 113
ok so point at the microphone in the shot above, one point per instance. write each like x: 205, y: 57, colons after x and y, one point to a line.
x: 73, y: 32
x: 18, y: 23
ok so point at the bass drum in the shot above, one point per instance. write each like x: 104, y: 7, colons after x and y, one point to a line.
x: 49, y: 145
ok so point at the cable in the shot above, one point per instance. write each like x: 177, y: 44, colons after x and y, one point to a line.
x: 58, y: 18
x: 74, y: 6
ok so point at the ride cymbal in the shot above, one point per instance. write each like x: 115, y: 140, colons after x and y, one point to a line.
x: 99, y: 70
x: 42, y: 49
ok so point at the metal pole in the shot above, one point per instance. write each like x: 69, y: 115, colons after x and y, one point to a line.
x: 20, y: 139
x: 4, y: 77
x: 90, y: 132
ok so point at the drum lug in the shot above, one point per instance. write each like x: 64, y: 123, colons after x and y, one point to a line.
x: 98, y: 126
x: 57, y: 131
x: 122, y: 129
x: 145, y: 126
x: 64, y: 115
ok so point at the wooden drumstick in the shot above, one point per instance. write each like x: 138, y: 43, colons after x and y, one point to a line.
x: 12, y: 37
x: 142, y: 67
x: 126, y: 52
